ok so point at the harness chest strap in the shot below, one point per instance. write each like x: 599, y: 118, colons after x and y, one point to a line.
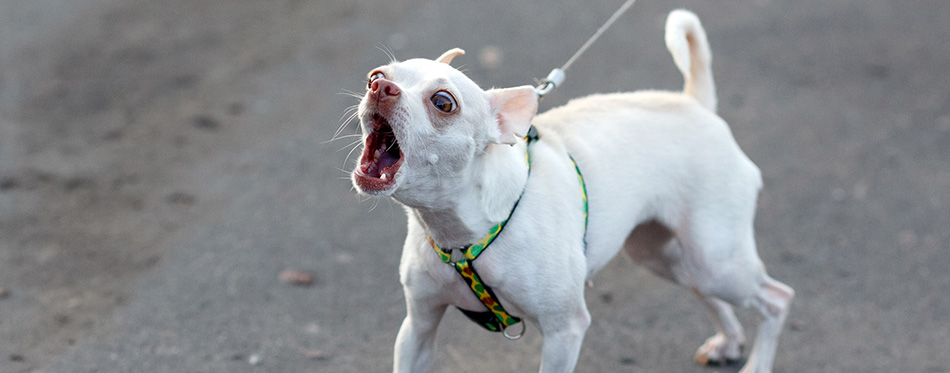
x: 496, y: 319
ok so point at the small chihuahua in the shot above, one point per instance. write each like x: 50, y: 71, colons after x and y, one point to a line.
x: 657, y: 174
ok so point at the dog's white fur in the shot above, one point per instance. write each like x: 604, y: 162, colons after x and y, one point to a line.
x: 666, y: 181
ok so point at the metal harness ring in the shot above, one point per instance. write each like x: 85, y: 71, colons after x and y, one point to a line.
x: 514, y: 337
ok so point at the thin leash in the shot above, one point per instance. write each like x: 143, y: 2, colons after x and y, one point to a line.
x: 556, y: 76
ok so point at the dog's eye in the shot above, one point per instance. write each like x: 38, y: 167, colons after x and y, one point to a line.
x: 443, y: 101
x: 372, y: 78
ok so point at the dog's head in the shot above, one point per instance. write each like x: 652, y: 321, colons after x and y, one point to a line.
x: 425, y: 124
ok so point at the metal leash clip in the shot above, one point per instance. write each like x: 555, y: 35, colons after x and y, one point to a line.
x: 554, y: 80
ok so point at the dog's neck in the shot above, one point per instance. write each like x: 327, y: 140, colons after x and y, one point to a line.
x: 480, y: 198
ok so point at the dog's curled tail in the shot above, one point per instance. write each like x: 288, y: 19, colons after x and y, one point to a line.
x: 686, y: 40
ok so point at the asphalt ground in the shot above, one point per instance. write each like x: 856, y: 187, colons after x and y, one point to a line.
x: 163, y: 161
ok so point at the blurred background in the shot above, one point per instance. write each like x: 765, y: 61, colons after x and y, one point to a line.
x: 163, y: 162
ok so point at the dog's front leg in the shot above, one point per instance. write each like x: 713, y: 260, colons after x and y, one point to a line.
x: 415, y: 343
x: 562, y: 340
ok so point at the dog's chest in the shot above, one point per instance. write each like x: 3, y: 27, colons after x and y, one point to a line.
x: 426, y: 274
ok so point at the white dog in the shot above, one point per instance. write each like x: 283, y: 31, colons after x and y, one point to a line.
x: 659, y: 173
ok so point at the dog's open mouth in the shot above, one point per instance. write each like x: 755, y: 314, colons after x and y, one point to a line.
x: 381, y: 157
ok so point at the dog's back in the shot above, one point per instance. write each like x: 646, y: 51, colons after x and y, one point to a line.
x: 663, y: 151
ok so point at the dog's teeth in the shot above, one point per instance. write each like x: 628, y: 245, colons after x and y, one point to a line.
x: 382, y: 177
x: 377, y: 153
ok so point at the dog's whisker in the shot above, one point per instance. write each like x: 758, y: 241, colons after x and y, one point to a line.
x: 341, y: 137
x: 392, y: 55
x: 347, y: 159
x: 375, y: 203
x: 352, y: 116
x: 349, y: 114
x: 344, y: 124
x: 348, y: 136
x: 388, y: 51
x: 348, y: 111
x: 351, y: 144
x: 351, y: 94
x: 342, y: 170
x: 353, y: 148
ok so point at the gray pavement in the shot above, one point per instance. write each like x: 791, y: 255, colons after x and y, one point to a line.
x: 162, y: 161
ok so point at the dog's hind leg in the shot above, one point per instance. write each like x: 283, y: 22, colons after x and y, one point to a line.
x: 720, y: 262
x: 772, y: 301
x: 726, y: 345
x: 738, y: 277
x: 652, y: 244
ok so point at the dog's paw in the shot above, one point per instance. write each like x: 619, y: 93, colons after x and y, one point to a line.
x: 719, y: 349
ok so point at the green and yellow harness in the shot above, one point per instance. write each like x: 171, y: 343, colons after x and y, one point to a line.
x: 496, y: 319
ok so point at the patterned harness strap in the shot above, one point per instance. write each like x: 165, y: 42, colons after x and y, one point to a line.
x: 496, y: 319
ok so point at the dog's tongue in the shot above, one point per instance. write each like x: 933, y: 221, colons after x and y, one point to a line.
x: 385, y: 161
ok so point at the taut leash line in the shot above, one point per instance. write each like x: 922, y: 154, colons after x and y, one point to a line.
x: 557, y: 75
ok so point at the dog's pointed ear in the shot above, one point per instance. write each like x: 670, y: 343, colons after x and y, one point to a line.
x: 514, y: 108
x: 447, y: 57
